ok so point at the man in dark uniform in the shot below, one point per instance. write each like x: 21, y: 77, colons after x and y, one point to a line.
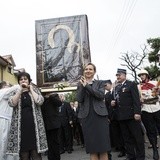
x: 128, y: 106
x: 50, y: 112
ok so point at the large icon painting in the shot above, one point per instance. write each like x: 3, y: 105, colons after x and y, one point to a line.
x: 62, y: 49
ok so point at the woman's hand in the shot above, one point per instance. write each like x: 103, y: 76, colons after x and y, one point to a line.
x: 24, y: 87
x: 83, y: 81
x: 30, y: 87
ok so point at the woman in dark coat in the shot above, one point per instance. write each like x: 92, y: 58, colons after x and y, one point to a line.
x: 93, y: 114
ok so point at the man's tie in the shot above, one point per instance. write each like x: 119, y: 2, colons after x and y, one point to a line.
x: 118, y: 88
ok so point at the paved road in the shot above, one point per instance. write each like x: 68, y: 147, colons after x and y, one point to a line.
x: 80, y: 154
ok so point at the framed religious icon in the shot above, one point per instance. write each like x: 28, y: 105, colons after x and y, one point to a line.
x: 62, y: 49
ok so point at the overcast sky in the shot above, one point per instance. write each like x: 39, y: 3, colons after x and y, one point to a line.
x: 115, y: 26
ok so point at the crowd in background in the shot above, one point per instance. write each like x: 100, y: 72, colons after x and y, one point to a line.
x: 104, y: 116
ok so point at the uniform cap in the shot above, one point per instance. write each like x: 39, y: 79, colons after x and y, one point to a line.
x: 119, y: 71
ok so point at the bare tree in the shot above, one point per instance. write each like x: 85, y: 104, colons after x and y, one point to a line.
x: 134, y: 61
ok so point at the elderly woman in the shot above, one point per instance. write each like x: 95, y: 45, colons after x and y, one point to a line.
x: 27, y: 135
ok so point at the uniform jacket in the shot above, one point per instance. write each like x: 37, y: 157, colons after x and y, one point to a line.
x: 50, y: 111
x: 128, y: 102
x: 97, y: 91
x: 14, y: 139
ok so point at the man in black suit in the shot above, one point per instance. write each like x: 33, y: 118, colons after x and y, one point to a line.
x: 127, y: 103
x: 66, y: 122
x: 115, y: 131
x: 78, y: 134
x: 50, y: 111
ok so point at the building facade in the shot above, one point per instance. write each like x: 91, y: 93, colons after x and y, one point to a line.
x: 7, y: 69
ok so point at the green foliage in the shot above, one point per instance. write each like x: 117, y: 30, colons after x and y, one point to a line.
x: 153, y: 58
x: 155, y: 46
x: 70, y: 97
x: 154, y: 43
x: 153, y: 71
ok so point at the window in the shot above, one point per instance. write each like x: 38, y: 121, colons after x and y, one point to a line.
x: 10, y: 69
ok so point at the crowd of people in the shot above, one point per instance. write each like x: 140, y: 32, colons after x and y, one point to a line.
x: 106, y: 115
x: 131, y: 111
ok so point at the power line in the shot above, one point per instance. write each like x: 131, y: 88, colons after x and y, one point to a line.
x: 126, y: 13
x: 124, y: 25
x: 119, y: 21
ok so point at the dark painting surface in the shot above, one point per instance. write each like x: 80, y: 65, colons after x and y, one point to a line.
x: 62, y: 49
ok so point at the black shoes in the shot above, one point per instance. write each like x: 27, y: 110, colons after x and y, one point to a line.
x: 150, y: 146
x: 155, y: 155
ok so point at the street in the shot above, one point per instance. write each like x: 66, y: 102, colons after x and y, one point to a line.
x: 80, y: 154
